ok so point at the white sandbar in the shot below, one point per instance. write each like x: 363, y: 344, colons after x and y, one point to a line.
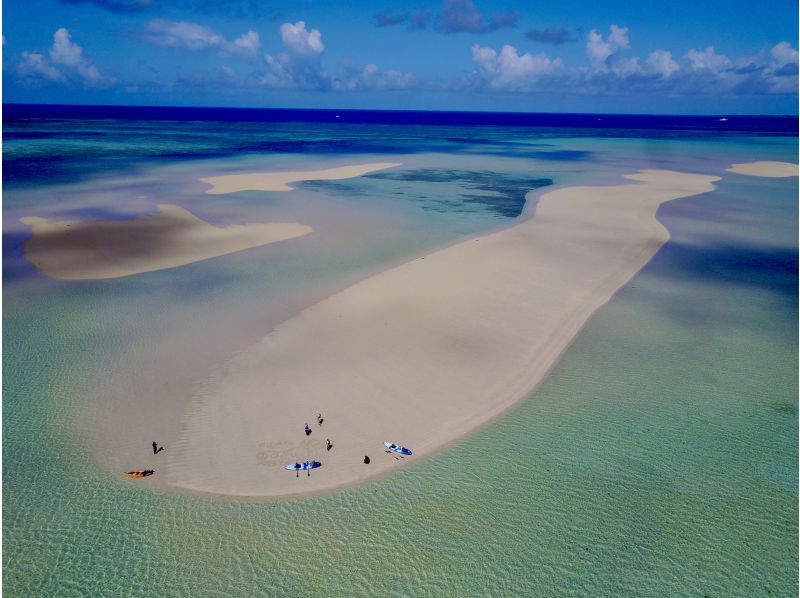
x: 279, y: 181
x: 95, y: 249
x: 423, y: 353
x: 765, y: 168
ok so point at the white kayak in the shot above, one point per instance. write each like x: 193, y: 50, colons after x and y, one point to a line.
x: 303, y: 465
x: 397, y: 448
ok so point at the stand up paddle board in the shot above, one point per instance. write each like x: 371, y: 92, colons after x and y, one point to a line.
x: 303, y: 466
x: 397, y: 448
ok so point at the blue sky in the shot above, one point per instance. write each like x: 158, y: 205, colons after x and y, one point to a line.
x: 704, y: 57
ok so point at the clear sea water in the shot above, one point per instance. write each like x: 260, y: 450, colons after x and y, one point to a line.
x: 659, y: 458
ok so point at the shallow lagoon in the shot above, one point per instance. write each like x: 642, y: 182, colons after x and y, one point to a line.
x: 659, y: 457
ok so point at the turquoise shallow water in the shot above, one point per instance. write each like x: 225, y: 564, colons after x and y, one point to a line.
x: 658, y: 458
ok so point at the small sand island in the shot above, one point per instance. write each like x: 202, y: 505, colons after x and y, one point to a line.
x: 98, y: 249
x: 423, y: 353
x: 279, y: 181
x: 765, y: 168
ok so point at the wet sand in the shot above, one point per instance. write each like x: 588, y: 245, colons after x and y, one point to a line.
x: 280, y: 181
x: 99, y: 249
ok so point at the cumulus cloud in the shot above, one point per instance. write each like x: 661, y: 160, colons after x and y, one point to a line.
x: 195, y: 37
x: 784, y: 54
x: 300, y: 66
x: 301, y: 42
x: 33, y: 66
x: 508, y: 70
x: 246, y: 45
x: 180, y: 34
x: 458, y: 16
x: 600, y: 49
x: 608, y: 70
x: 707, y: 60
x: 552, y: 35
x: 782, y: 71
x: 66, y: 64
x: 371, y: 77
x: 661, y: 63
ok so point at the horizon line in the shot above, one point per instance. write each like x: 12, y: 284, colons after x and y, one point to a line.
x: 402, y: 110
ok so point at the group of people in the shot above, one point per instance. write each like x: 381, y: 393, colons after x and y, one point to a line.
x: 320, y: 419
x: 328, y: 443
x: 319, y: 422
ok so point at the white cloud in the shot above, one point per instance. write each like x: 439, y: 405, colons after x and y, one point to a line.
x: 35, y: 66
x: 195, y: 37
x: 782, y: 72
x: 783, y: 54
x: 66, y: 52
x: 372, y: 77
x: 508, y: 70
x: 707, y: 60
x: 661, y: 63
x: 300, y: 66
x: 279, y: 73
x: 618, y: 38
x: 599, y: 49
x: 67, y: 64
x: 181, y: 34
x: 246, y: 45
x: 625, y: 67
x: 608, y: 70
x: 301, y: 42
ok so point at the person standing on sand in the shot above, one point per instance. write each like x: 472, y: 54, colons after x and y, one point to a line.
x: 308, y: 430
x: 319, y: 419
x: 328, y: 445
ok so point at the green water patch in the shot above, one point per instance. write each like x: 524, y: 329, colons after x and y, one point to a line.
x: 446, y: 190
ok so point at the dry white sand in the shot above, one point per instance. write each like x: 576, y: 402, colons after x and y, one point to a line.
x: 279, y: 181
x: 423, y: 353
x: 95, y: 249
x: 765, y: 168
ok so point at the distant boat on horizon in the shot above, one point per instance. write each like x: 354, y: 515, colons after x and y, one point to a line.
x: 723, y: 119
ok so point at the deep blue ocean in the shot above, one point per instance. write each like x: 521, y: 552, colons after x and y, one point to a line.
x: 721, y: 123
x: 155, y: 134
